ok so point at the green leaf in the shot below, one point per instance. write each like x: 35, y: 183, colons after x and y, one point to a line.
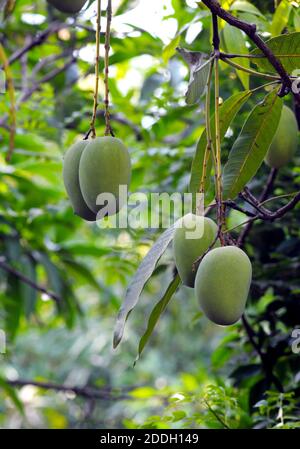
x: 251, y: 146
x: 235, y: 42
x: 170, y: 49
x: 281, y: 17
x: 228, y: 111
x: 157, y: 312
x: 130, y: 47
x: 140, y: 278
x: 296, y: 20
x: 286, y: 47
x: 245, y: 6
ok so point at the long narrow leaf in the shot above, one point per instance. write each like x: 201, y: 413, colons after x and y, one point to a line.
x: 142, y: 275
x: 251, y: 146
x: 158, y: 310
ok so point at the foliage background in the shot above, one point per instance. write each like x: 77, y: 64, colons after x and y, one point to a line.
x: 193, y: 373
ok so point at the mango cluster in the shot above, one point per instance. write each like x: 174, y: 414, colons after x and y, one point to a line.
x: 222, y: 280
x: 94, y: 167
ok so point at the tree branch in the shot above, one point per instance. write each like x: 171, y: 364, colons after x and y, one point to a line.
x: 86, y: 392
x: 250, y: 30
x: 265, y: 193
x: 4, y: 266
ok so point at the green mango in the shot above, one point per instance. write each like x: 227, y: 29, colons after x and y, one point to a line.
x: 71, y: 180
x: 222, y: 284
x: 186, y: 249
x: 68, y: 6
x: 285, y: 142
x: 104, y: 166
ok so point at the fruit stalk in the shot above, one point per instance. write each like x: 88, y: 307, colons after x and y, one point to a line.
x: 108, y: 129
x: 98, y: 30
x: 209, y: 146
x: 218, y: 169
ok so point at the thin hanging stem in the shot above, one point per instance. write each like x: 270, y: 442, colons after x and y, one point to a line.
x: 92, y: 129
x: 218, y: 169
x: 209, y: 145
x: 108, y: 128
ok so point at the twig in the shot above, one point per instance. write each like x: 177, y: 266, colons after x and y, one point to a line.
x: 248, y: 70
x: 39, y: 39
x: 250, y: 30
x: 215, y: 414
x: 86, y: 392
x: 92, y: 129
x: 267, y: 190
x: 235, y: 206
x: 108, y: 129
x: 284, y: 209
x: 19, y: 275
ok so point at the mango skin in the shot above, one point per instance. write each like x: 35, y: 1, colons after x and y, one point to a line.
x: 186, y: 250
x: 285, y: 141
x: 71, y: 181
x: 222, y: 284
x: 104, y: 166
x: 68, y: 6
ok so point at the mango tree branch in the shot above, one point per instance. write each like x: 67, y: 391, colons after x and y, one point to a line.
x: 250, y: 30
x: 86, y: 392
x: 4, y: 266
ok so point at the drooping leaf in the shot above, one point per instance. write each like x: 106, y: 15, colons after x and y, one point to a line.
x: 235, y: 42
x: 158, y: 310
x: 228, y: 111
x: 199, y: 70
x: 287, y: 49
x: 250, y: 148
x: 140, y: 278
x: 281, y: 17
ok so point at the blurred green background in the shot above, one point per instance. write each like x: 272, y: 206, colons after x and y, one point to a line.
x: 192, y: 373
